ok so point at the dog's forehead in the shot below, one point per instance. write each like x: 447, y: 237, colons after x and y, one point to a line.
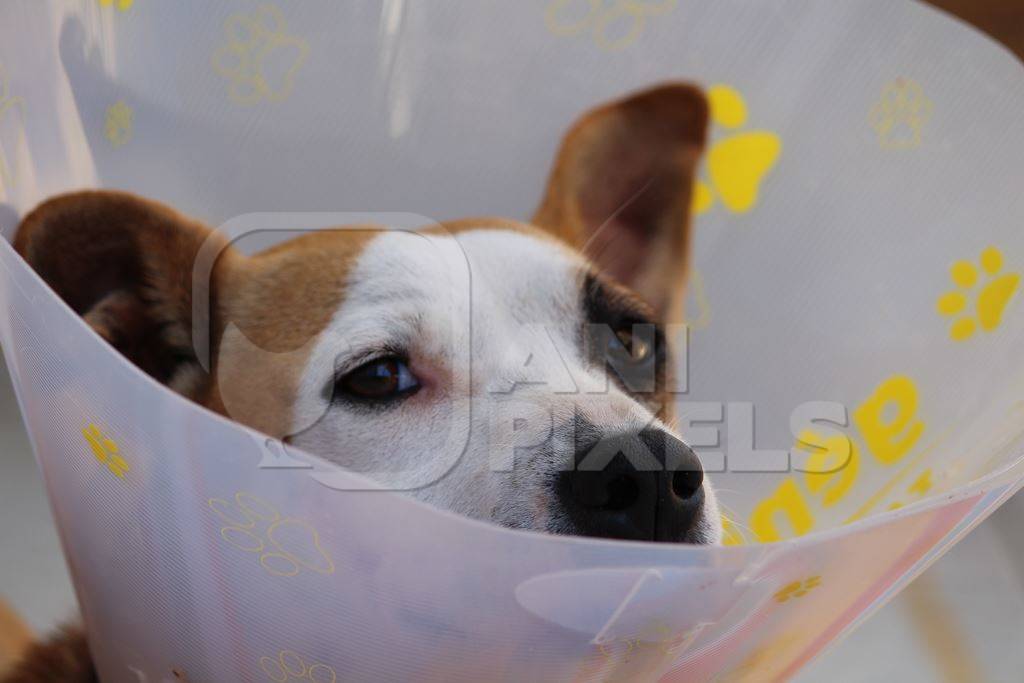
x: 487, y: 265
x: 289, y: 293
x: 504, y: 259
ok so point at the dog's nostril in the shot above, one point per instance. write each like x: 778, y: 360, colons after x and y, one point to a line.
x: 686, y: 483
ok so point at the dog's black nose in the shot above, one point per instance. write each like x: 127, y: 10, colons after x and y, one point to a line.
x: 641, y: 486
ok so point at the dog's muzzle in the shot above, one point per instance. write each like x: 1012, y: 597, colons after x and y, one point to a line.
x: 646, y: 485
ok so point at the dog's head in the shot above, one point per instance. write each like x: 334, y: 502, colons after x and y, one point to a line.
x: 517, y: 373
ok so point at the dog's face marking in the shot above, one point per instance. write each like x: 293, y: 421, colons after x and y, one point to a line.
x: 468, y: 363
x: 272, y: 309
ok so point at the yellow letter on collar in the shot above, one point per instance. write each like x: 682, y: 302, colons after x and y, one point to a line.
x: 890, y: 439
x: 832, y: 468
x: 787, y: 500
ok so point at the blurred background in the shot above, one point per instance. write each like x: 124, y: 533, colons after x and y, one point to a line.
x: 963, y: 620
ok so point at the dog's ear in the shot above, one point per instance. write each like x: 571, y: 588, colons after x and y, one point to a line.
x: 621, y: 186
x: 126, y: 265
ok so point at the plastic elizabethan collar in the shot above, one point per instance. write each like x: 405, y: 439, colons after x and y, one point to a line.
x: 858, y: 241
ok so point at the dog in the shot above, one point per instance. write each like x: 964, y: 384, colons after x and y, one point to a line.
x: 346, y: 343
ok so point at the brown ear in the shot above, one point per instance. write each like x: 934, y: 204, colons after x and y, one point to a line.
x: 621, y: 185
x: 126, y: 265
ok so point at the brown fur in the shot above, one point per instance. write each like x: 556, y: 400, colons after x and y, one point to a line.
x: 64, y: 657
x: 112, y: 250
x: 15, y: 636
x: 278, y: 302
x: 619, y: 192
x: 621, y: 185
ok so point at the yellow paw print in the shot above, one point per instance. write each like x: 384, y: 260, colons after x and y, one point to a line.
x: 105, y: 449
x: 260, y: 58
x: 900, y: 115
x: 285, y: 545
x: 797, y: 589
x: 118, y: 124
x: 123, y: 5
x: 614, y: 25
x: 991, y: 299
x: 738, y: 163
x: 290, y: 666
x: 9, y: 104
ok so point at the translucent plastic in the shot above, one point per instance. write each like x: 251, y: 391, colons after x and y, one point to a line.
x: 858, y: 242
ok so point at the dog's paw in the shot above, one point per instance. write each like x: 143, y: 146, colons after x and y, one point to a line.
x: 738, y: 162
x: 900, y: 115
x: 12, y: 122
x: 119, y: 123
x: 260, y: 58
x: 106, y: 450
x: 290, y: 666
x: 991, y: 295
x: 122, y: 5
x: 285, y: 545
x: 797, y: 589
x: 613, y: 25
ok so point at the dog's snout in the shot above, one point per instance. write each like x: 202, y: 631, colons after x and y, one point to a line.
x: 640, y: 486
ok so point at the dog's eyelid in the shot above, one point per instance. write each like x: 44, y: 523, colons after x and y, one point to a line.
x: 361, y: 358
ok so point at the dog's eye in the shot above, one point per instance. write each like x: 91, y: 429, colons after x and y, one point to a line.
x: 383, y: 379
x: 626, y: 345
